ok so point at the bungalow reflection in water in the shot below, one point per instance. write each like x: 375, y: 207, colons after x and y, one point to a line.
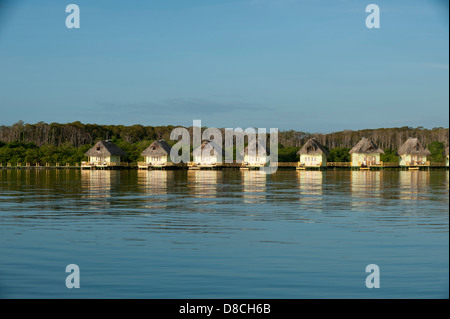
x: 414, y: 184
x: 310, y: 182
x: 154, y: 184
x: 154, y: 181
x: 310, y: 185
x: 96, y: 185
x: 253, y: 186
x: 203, y: 183
x: 365, y: 186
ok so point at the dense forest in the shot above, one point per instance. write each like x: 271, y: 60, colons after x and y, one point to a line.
x: 67, y: 143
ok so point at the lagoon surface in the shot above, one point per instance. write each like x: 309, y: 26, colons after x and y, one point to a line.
x: 223, y: 234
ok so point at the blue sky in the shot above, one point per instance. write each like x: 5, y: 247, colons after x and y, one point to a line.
x: 309, y: 65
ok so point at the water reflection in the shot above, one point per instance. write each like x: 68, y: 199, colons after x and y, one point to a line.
x: 253, y: 186
x: 310, y: 182
x: 310, y: 185
x: 203, y: 183
x: 365, y: 188
x: 414, y: 184
x: 366, y: 183
x: 96, y: 185
x: 154, y: 184
x: 39, y: 180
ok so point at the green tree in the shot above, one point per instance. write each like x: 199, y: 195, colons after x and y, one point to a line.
x: 437, y: 151
x: 389, y: 156
x: 287, y: 154
x: 339, y: 154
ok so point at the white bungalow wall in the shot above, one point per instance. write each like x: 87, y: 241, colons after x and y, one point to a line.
x: 205, y: 160
x: 367, y: 159
x: 313, y: 160
x: 107, y: 159
x: 255, y: 160
x: 408, y: 159
x: 157, y: 160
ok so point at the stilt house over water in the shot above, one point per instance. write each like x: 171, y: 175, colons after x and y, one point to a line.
x: 204, y: 154
x: 255, y: 154
x: 313, y: 154
x: 413, y: 153
x: 158, y: 153
x: 366, y: 153
x: 105, y: 153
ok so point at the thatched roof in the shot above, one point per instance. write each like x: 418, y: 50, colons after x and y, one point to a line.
x: 212, y: 145
x: 105, y: 148
x: 312, y: 147
x: 366, y: 146
x: 414, y: 147
x: 157, y: 148
x: 446, y: 151
x: 254, y: 148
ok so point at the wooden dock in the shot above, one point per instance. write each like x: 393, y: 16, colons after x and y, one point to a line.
x: 219, y: 166
x: 106, y: 166
x: 39, y: 166
x: 163, y: 166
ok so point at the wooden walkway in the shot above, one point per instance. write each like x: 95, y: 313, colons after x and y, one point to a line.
x: 281, y: 165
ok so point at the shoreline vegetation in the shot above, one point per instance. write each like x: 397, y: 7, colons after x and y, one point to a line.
x: 67, y: 143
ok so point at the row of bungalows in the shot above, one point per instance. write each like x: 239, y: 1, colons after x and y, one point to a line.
x: 157, y: 155
x: 365, y: 154
x: 254, y: 155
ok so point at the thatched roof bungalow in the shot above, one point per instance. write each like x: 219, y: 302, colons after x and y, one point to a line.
x: 204, y: 154
x: 105, y: 153
x: 158, y: 153
x: 413, y: 153
x: 313, y: 154
x: 253, y: 156
x: 365, y: 153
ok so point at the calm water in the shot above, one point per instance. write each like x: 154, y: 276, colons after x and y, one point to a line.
x: 223, y: 234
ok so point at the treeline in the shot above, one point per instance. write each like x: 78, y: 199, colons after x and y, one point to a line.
x: 78, y: 134
x: 385, y: 138
x: 67, y: 143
